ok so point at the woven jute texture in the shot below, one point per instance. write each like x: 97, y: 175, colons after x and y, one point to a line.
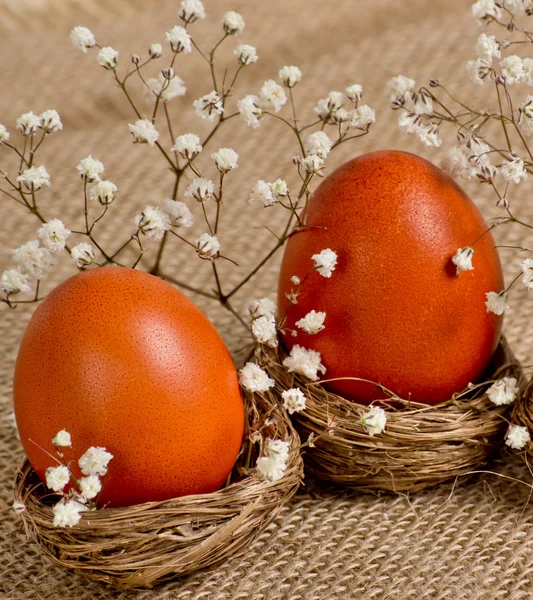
x: 471, y: 542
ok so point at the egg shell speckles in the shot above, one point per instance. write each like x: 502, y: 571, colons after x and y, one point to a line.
x: 397, y: 313
x: 121, y: 359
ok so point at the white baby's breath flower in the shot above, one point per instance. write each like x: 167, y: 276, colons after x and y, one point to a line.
x: 503, y: 391
x: 293, y: 400
x: 514, y: 170
x: 155, y: 51
x: 51, y: 121
x: 304, y: 361
x: 374, y: 420
x: 496, y: 302
x: 191, y: 10
x: 82, y: 38
x: 233, y: 23
x: 28, y: 123
x: 263, y: 307
x: 90, y: 169
x: 312, y: 323
x: 527, y: 270
x: 478, y: 71
x: 322, y: 110
x: 264, y: 331
x: 187, y: 145
x: 254, y: 379
x: 517, y: 437
x: 179, y: 39
x: 295, y: 280
x: 164, y: 88
x: 277, y: 449
x: 516, y: 7
x: 178, y: 212
x: 270, y: 469
x: 279, y: 188
x: 527, y: 64
x: 200, y: 189
x: 83, y: 254
x: 62, y: 439
x: 108, y: 58
x: 144, y: 132
x: 318, y: 143
x: 207, y: 246
x: 512, y: 69
x: 325, y: 262
x: 32, y: 259
x: 262, y: 194
x: 482, y: 10
x: 290, y: 75
x: 354, y: 92
x: 4, y: 134
x: 14, y: 282
x: 225, y: 159
x: 456, y: 161
x: 272, y: 95
x: 95, y: 461
x: 57, y: 478
x: 313, y: 164
x: 34, y: 177
x: 103, y: 192
x: 462, y: 259
x: 398, y: 86
x: 246, y: 54
x: 67, y: 513
x: 250, y: 111
x: 362, y: 117
x: 54, y: 235
x: 487, y: 47
x: 335, y: 100
x: 209, y: 106
x: 90, y: 486
x: 427, y: 133
x: 153, y: 223
x: 478, y: 155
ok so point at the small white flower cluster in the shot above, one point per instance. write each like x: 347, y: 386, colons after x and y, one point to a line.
x: 480, y: 70
x: 517, y: 437
x: 503, y: 391
x: 312, y: 323
x: 164, y: 88
x: 325, y: 262
x: 263, y: 322
x: 93, y: 465
x: 254, y: 379
x: 209, y: 107
x: 267, y: 194
x: 144, y: 132
x: 273, y: 465
x: 29, y: 123
x: 496, y: 302
x: 233, y: 23
x: 462, y: 259
x: 374, y: 420
x: 191, y: 11
x: 304, y: 362
x: 332, y: 109
x: 293, y: 400
x: 179, y: 40
x: 471, y: 160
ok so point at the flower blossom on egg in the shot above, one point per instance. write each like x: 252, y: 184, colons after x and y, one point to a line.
x: 246, y: 54
x: 233, y: 23
x: 254, y: 379
x: 312, y: 323
x: 178, y: 213
x: 272, y: 95
x: 108, y: 58
x: 517, y: 437
x: 54, y: 235
x: 462, y: 259
x: 103, y: 192
x: 50, y: 121
x: 179, y: 39
x: 90, y: 486
x: 290, y: 76
x: 153, y: 223
x: 144, y: 132
x: 34, y: 177
x: 83, y: 254
x: 208, y: 107
x: 264, y: 331
x: 62, y: 439
x: 95, y: 461
x: 374, y: 420
x: 293, y: 400
x: 191, y: 10
x: 90, y: 169
x: 67, y: 513
x: 82, y: 38
x: 496, y: 302
x: 503, y: 391
x: 187, y: 145
x: 28, y: 123
x: 304, y: 361
x: 200, y: 189
x: 164, y: 88
x: 325, y: 262
x: 225, y: 159
x: 14, y: 282
x: 57, y: 478
x: 207, y: 246
x: 32, y: 259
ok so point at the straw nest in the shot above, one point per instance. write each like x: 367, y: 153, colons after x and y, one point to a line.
x: 523, y: 415
x: 421, y: 446
x: 142, y: 545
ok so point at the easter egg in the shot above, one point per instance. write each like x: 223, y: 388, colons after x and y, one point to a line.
x: 123, y: 361
x: 397, y: 312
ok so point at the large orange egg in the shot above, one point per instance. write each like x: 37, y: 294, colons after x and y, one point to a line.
x: 122, y: 360
x: 396, y: 311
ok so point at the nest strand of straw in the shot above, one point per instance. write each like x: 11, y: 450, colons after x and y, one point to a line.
x: 421, y: 446
x: 139, y: 546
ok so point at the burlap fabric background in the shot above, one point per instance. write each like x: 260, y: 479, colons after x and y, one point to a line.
x: 473, y: 542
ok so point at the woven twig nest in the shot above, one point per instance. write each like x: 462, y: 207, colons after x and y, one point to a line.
x: 421, y: 446
x: 142, y: 545
x: 523, y: 416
